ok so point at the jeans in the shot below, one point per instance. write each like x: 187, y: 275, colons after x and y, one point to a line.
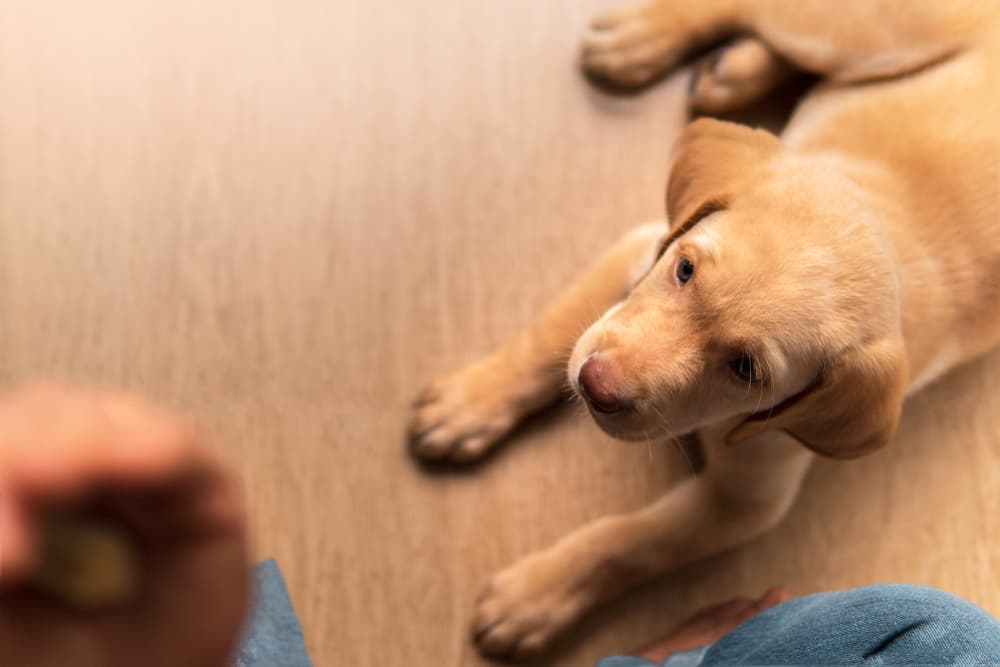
x: 884, y: 624
x: 272, y: 636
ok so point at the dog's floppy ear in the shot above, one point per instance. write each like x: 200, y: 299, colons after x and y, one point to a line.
x: 712, y: 161
x: 852, y: 409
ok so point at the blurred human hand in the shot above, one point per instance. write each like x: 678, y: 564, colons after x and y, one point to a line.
x: 99, y: 454
x: 712, y: 623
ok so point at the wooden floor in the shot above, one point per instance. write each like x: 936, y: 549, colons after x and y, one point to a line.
x: 284, y: 217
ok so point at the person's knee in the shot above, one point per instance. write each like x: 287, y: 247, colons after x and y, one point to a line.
x: 880, y: 624
x: 928, y: 624
x: 920, y: 603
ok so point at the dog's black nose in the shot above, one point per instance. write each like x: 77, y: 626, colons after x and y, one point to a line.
x: 594, y: 386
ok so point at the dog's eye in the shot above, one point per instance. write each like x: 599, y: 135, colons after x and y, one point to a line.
x: 746, y: 368
x: 684, y: 270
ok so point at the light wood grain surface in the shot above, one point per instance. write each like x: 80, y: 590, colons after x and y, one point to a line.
x: 284, y: 217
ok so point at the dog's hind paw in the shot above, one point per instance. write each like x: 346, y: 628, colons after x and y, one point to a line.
x: 736, y: 75
x: 631, y: 46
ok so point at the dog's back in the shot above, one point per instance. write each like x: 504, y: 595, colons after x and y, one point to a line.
x: 928, y: 142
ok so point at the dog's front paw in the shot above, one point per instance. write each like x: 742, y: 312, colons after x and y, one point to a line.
x: 460, y: 416
x: 631, y: 45
x: 527, y: 605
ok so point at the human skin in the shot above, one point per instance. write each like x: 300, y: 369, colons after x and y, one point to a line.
x: 711, y: 623
x: 68, y: 450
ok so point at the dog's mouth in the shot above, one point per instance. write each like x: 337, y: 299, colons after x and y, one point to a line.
x: 620, y: 423
x: 623, y: 426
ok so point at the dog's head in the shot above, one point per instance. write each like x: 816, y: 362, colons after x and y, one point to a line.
x: 773, y: 299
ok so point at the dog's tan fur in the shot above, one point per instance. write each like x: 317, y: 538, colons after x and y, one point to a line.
x: 855, y: 259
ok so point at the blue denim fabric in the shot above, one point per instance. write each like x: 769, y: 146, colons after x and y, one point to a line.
x: 273, y: 636
x: 690, y: 658
x: 885, y: 624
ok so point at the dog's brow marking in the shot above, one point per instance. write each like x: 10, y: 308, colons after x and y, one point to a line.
x: 706, y: 209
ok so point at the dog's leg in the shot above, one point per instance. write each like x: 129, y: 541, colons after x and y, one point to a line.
x: 742, y: 492
x: 868, y: 39
x: 461, y: 415
x: 632, y: 45
x: 736, y: 75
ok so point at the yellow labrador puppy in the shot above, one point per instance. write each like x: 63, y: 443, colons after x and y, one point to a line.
x: 804, y: 286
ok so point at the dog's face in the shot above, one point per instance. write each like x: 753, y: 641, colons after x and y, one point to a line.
x: 772, y: 298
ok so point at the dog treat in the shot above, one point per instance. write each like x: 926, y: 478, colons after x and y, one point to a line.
x: 88, y: 563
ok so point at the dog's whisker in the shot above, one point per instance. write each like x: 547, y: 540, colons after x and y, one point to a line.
x: 649, y: 445
x: 671, y: 438
x: 770, y: 409
x: 680, y: 447
x: 667, y: 425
